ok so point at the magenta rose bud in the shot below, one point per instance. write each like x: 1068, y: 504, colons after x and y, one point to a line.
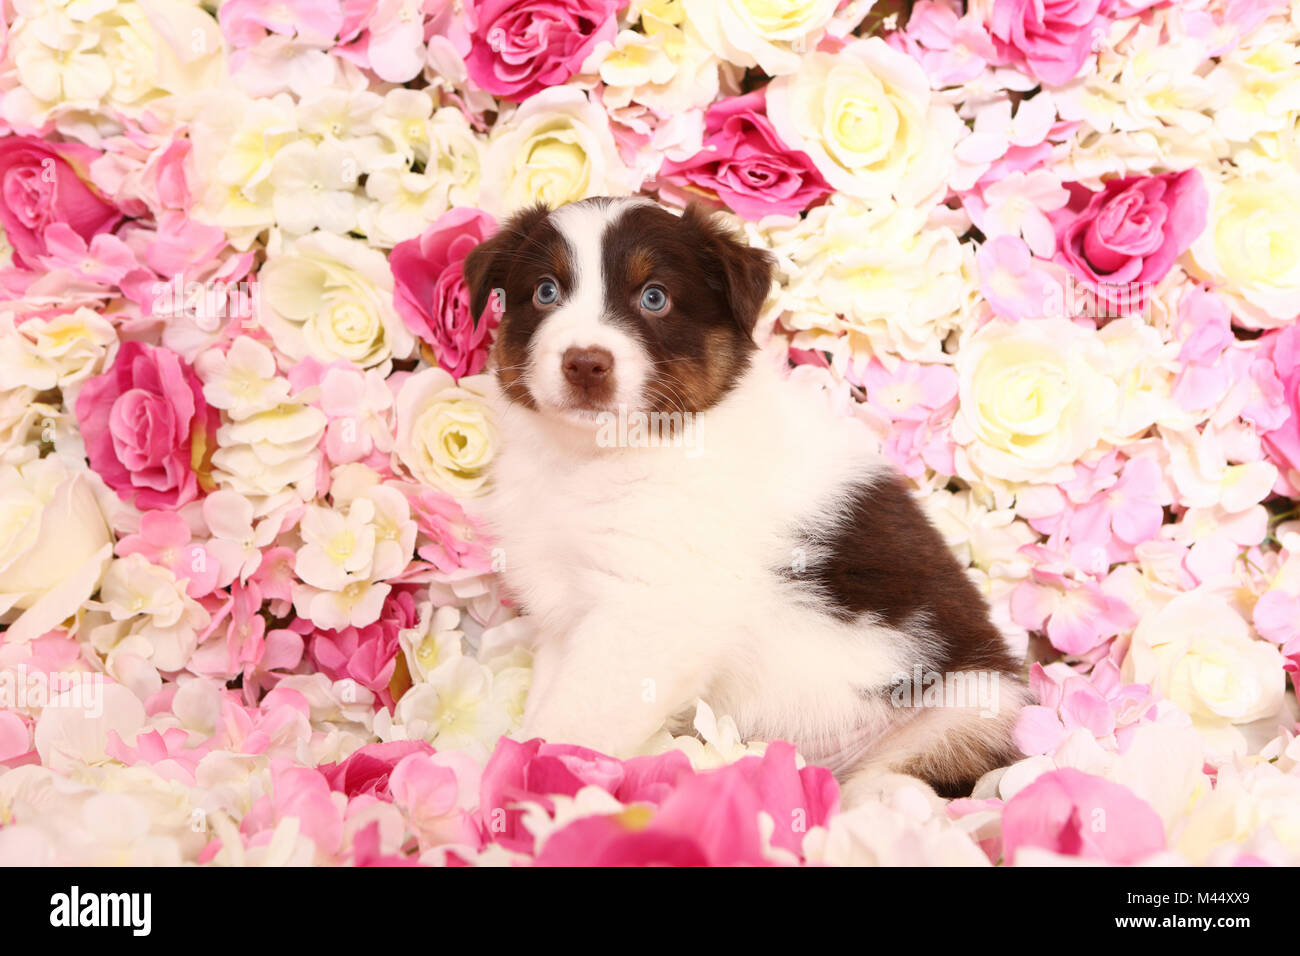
x: 1051, y: 38
x: 42, y: 184
x: 1129, y: 235
x: 746, y: 165
x: 367, y: 770
x: 147, y: 427
x: 518, y: 49
x: 430, y: 295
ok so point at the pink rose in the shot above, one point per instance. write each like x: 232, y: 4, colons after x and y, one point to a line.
x: 147, y: 427
x: 518, y: 49
x: 1076, y: 814
x: 953, y: 51
x: 1128, y: 235
x: 367, y: 770
x: 747, y: 165
x: 430, y: 295
x: 1282, y: 444
x: 386, y: 36
x: 41, y: 184
x: 1050, y: 37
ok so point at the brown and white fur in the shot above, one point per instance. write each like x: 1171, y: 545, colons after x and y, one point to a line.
x: 778, y: 569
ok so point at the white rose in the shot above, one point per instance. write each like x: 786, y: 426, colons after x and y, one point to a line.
x: 446, y: 435
x: 1250, y: 248
x: 896, y: 284
x: 331, y: 297
x: 555, y: 148
x: 54, y: 545
x: 1253, y: 808
x: 769, y: 34
x: 1033, y: 399
x: 1200, y: 653
x: 174, y: 46
x: 866, y: 117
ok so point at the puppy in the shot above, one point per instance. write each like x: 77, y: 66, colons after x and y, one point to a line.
x: 682, y: 522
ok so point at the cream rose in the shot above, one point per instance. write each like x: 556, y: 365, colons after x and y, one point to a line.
x: 1253, y: 808
x: 769, y: 34
x: 446, y: 436
x: 1200, y: 653
x: 331, y: 297
x: 866, y: 117
x: 1033, y: 399
x: 55, y: 544
x: 556, y: 148
x: 877, y: 270
x: 1251, y: 247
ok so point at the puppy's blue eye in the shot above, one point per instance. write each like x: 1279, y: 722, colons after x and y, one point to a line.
x: 654, y: 299
x: 546, y: 293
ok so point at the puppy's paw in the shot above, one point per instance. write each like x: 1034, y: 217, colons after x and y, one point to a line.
x: 873, y: 784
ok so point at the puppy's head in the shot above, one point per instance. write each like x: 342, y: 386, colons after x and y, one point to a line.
x: 618, y: 302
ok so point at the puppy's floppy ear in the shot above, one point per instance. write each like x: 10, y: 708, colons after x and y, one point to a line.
x: 488, y: 263
x: 741, y: 272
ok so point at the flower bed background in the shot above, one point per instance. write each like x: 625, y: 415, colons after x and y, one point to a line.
x: 1049, y: 252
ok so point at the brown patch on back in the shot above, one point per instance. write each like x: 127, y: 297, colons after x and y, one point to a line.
x: 885, y: 558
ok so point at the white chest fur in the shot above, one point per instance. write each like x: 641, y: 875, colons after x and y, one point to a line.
x: 653, y: 574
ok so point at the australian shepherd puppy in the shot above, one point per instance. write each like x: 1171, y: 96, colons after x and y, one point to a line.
x: 680, y: 521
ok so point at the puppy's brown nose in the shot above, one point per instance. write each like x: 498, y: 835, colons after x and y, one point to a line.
x: 588, y: 367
